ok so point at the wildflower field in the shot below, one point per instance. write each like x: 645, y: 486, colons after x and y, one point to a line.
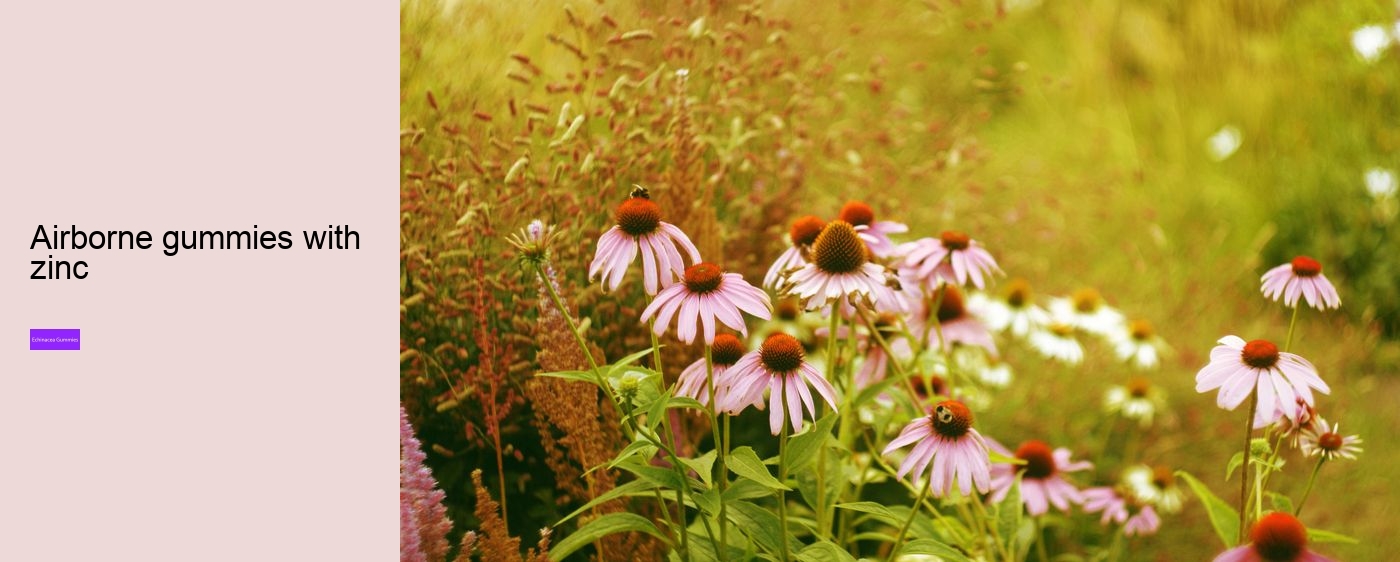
x: 938, y: 280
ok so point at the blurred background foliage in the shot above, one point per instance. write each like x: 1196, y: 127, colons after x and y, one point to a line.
x: 1166, y: 153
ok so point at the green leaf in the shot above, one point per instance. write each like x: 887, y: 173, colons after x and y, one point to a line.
x: 870, y: 392
x: 663, y: 477
x: 707, y: 501
x: 999, y: 458
x: 824, y: 551
x: 584, y: 376
x: 1234, y: 465
x: 1280, y: 502
x: 685, y: 402
x: 759, y: 523
x: 802, y: 449
x: 704, y: 465
x: 930, y: 547
x: 601, y: 527
x: 1223, y: 517
x: 631, y: 488
x: 645, y: 448
x: 745, y: 490
x: 620, y: 364
x: 1009, y: 515
x: 1321, y: 536
x: 879, y: 511
x: 656, y: 409
x: 744, y: 462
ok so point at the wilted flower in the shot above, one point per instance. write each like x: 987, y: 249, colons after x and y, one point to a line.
x: 639, y: 227
x: 947, y: 442
x: 1138, y: 400
x: 1326, y: 440
x: 707, y: 294
x: 1238, y: 368
x: 1300, y: 277
x: 954, y: 258
x: 778, y: 366
x: 1042, y: 483
x: 1276, y: 537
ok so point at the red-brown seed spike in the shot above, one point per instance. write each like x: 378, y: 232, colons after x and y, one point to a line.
x: 1304, y: 266
x: 727, y: 350
x: 951, y: 306
x: 951, y: 419
x: 1040, y: 459
x: 954, y: 240
x: 1278, y: 537
x: 703, y: 277
x: 781, y: 353
x: 805, y: 230
x: 838, y: 249
x: 1260, y: 354
x: 638, y: 216
x: 857, y: 213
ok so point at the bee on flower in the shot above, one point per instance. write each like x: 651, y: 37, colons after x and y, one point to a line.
x: 639, y: 229
x: 947, y: 447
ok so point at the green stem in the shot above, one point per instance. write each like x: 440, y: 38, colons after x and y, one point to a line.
x: 1297, y: 511
x: 1288, y: 344
x: 1040, y: 539
x: 1115, y: 550
x: 914, y: 510
x: 782, y: 478
x: 1244, y: 474
x: 721, y: 449
x: 832, y: 372
x: 991, y: 530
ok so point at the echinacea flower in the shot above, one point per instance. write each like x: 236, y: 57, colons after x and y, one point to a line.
x: 1138, y: 400
x: 875, y: 234
x: 1289, y: 428
x: 946, y: 442
x: 1238, y: 368
x: 1086, y: 310
x: 639, y: 228
x: 707, y: 294
x: 1155, y: 486
x: 1056, y: 341
x: 1327, y: 441
x: 777, y: 366
x: 724, y: 353
x: 1276, y: 537
x: 1015, y: 311
x: 1042, y: 483
x: 1119, y: 509
x: 1137, y: 344
x: 1300, y: 277
x: 801, y: 235
x: 839, y: 269
x: 956, y: 325
x: 953, y: 257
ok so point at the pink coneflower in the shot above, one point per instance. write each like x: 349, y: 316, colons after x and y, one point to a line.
x: 958, y: 326
x: 724, y: 353
x: 875, y: 234
x: 840, y: 269
x: 801, y: 235
x: 1326, y: 440
x: 947, y: 442
x: 1288, y: 427
x: 1237, y: 368
x: 954, y: 258
x: 1276, y: 537
x: 1116, y: 509
x: 778, y: 366
x: 1041, y: 482
x: 706, y: 295
x: 639, y: 227
x: 1302, y: 276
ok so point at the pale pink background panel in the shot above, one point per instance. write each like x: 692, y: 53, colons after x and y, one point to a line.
x: 226, y: 405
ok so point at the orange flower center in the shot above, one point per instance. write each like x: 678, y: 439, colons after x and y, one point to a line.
x: 1162, y: 477
x: 954, y: 240
x: 1278, y: 537
x: 837, y: 249
x: 1040, y: 460
x: 857, y: 213
x: 703, y: 277
x: 1304, y: 266
x: 1086, y: 300
x: 951, y: 306
x: 781, y: 353
x: 638, y: 216
x: 1260, y: 354
x: 1141, y: 330
x: 1139, y: 386
x: 1330, y: 442
x: 788, y: 309
x: 951, y: 419
x: 804, y: 231
x: 726, y: 350
x: 1018, y: 293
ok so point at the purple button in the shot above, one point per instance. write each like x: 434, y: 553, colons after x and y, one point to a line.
x: 51, y: 339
